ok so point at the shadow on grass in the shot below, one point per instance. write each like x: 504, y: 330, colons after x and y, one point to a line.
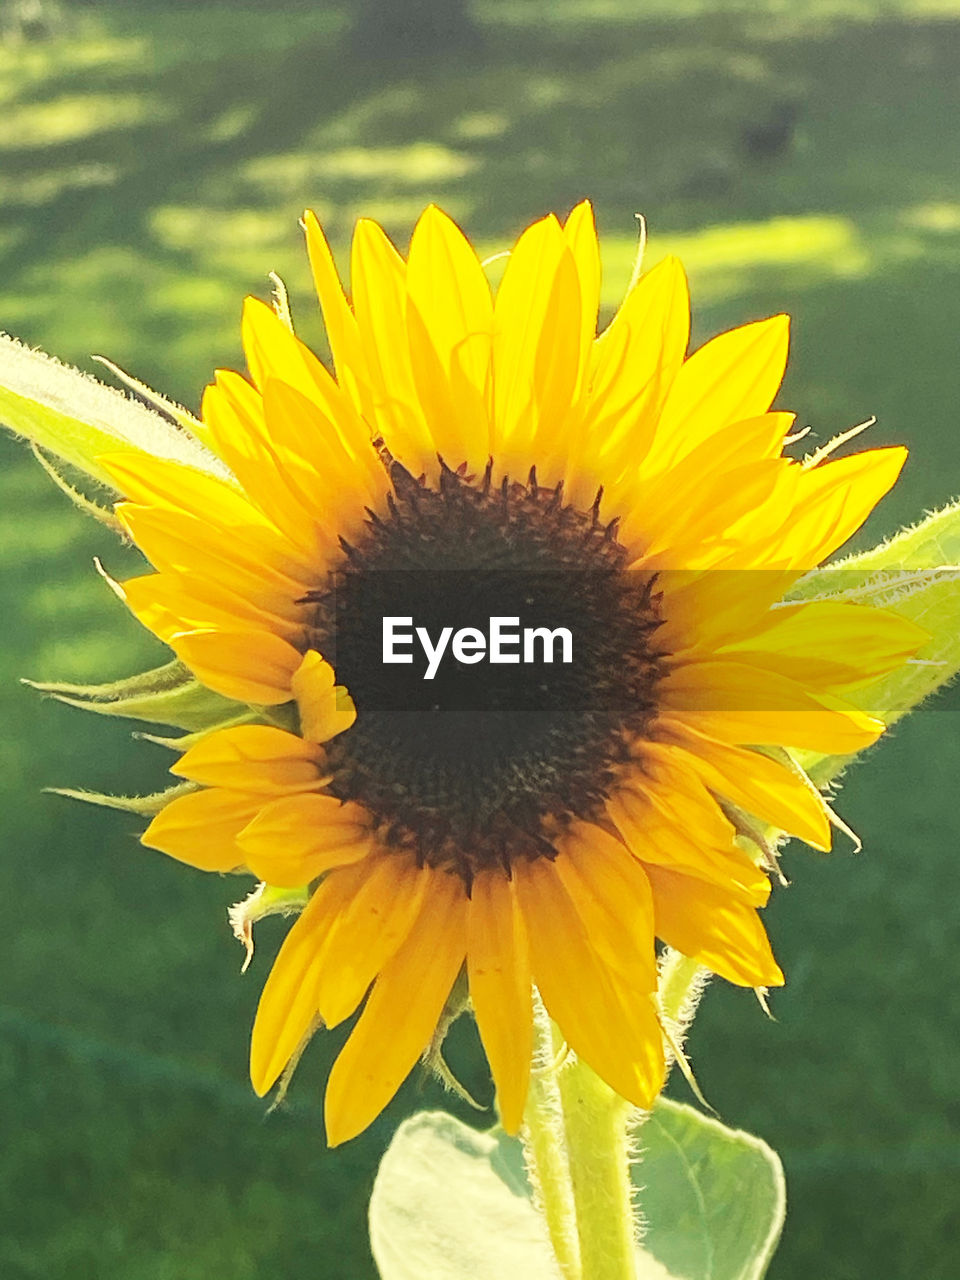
x: 151, y: 181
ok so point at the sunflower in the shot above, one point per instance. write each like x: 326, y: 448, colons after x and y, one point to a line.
x: 472, y: 453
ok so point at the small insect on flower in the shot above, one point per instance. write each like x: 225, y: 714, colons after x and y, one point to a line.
x: 477, y: 454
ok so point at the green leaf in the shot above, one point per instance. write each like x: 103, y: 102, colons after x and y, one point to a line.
x: 713, y: 1198
x: 72, y: 415
x: 453, y: 1204
x: 167, y: 695
x: 450, y: 1203
x: 931, y: 544
x: 934, y: 604
x: 917, y: 574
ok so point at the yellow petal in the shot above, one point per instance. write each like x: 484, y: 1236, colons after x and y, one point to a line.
x: 732, y: 377
x: 613, y: 898
x: 707, y: 485
x: 830, y: 643
x: 452, y: 315
x: 581, y: 235
x: 708, y: 528
x: 273, y: 350
x: 611, y: 1027
x: 279, y: 483
x: 757, y: 785
x: 382, y: 913
x: 520, y: 314
x: 702, y: 608
x: 288, y: 1005
x: 254, y: 562
x: 325, y: 707
x: 330, y: 423
x: 641, y: 349
x: 498, y: 967
x: 380, y: 304
x: 171, y: 603
x: 250, y: 666
x: 746, y: 705
x: 252, y: 757
x: 292, y: 460
x: 327, y: 480
x: 666, y: 817
x: 833, y: 500
x: 558, y: 367
x: 159, y: 482
x: 709, y: 926
x: 342, y: 332
x: 201, y: 828
x: 293, y: 840
x: 400, y: 1015
x: 453, y: 439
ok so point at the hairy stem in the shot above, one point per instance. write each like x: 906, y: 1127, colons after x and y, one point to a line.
x: 577, y: 1135
x: 595, y: 1120
x: 545, y: 1148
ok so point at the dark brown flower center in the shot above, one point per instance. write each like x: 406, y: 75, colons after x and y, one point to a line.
x: 486, y: 759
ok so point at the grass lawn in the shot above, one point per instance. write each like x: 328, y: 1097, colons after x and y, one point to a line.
x: 153, y: 163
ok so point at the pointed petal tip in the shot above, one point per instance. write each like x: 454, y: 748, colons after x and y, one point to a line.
x: 582, y: 209
x: 259, y: 1081
x: 341, y: 1127
x: 251, y: 303
x: 511, y: 1117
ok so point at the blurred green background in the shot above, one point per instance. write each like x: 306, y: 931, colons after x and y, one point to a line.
x: 154, y: 159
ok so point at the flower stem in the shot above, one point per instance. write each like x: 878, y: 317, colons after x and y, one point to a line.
x: 576, y: 1139
x: 595, y: 1120
x: 577, y: 1135
x: 544, y: 1142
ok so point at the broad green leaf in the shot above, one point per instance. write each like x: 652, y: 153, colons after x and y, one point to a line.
x: 79, y: 419
x: 713, y: 1199
x: 453, y: 1204
x: 450, y: 1203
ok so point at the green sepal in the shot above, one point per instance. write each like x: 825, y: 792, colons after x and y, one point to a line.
x: 144, y: 806
x: 449, y: 1201
x: 79, y: 419
x: 264, y: 900
x: 188, y: 740
x: 168, y: 695
x: 103, y: 515
x: 156, y: 680
x: 161, y: 403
